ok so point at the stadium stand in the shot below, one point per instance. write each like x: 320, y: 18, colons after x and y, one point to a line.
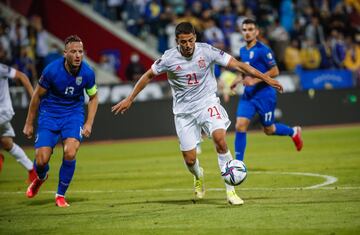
x: 328, y: 31
x: 35, y: 47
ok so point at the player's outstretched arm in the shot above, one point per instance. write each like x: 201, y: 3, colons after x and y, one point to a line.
x: 25, y: 81
x: 247, y: 69
x: 92, y: 109
x: 33, y: 108
x: 125, y: 104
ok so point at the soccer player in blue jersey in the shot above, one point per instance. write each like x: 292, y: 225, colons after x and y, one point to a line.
x: 59, y: 96
x: 258, y: 96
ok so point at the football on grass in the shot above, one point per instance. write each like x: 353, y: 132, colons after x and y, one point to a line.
x: 234, y: 172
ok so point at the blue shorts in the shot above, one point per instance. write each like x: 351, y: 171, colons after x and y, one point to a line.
x: 264, y: 106
x: 51, y: 128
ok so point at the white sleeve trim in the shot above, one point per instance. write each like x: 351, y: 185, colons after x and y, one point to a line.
x: 154, y: 70
x: 12, y: 73
x: 227, y: 59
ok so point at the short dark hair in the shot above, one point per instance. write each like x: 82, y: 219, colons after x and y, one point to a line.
x: 72, y: 38
x: 249, y: 21
x: 184, y: 28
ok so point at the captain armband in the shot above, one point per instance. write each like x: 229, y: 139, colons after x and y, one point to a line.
x: 92, y: 91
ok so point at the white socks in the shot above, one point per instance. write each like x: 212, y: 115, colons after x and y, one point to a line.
x: 20, y: 156
x: 195, y: 169
x: 222, y: 159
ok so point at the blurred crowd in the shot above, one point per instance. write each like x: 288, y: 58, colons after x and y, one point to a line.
x: 316, y: 34
x: 24, y: 45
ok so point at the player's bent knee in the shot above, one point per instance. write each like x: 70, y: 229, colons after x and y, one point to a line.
x: 43, y: 156
x: 71, y: 147
x: 6, y: 144
x: 70, y: 154
x: 7, y: 147
x: 189, y: 157
x: 240, y: 127
x: 269, y: 130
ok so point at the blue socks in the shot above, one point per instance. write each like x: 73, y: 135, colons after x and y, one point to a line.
x: 282, y: 129
x: 65, y: 175
x: 240, y: 139
x: 41, y: 171
x: 240, y: 144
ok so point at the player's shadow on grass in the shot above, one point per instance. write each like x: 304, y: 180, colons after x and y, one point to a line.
x: 218, y: 202
x: 183, y: 202
x: 37, y: 202
x: 213, y: 201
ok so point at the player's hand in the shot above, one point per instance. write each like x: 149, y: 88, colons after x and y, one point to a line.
x: 122, y: 106
x: 86, y: 131
x: 234, y: 84
x: 274, y: 83
x: 28, y: 130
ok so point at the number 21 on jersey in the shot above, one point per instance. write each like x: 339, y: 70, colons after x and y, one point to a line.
x: 192, y: 79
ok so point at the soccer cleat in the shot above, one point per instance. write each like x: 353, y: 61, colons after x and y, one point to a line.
x: 233, y: 198
x: 34, y: 187
x: 60, y: 201
x: 199, y: 186
x: 296, y: 138
x: 1, y: 160
x: 32, y: 176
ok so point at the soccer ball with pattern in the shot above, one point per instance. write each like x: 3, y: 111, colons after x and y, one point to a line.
x: 234, y: 172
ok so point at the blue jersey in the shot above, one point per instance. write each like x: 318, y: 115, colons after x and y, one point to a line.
x: 65, y: 92
x: 260, y: 57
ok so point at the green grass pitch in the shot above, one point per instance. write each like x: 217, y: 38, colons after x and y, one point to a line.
x: 143, y: 187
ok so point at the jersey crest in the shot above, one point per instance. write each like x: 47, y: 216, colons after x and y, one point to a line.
x: 78, y: 81
x: 251, y: 55
x: 202, y: 63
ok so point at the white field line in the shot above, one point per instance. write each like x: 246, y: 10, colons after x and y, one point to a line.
x: 328, y: 180
x: 181, y: 190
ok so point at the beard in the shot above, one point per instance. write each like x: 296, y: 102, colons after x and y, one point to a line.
x: 73, y: 68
